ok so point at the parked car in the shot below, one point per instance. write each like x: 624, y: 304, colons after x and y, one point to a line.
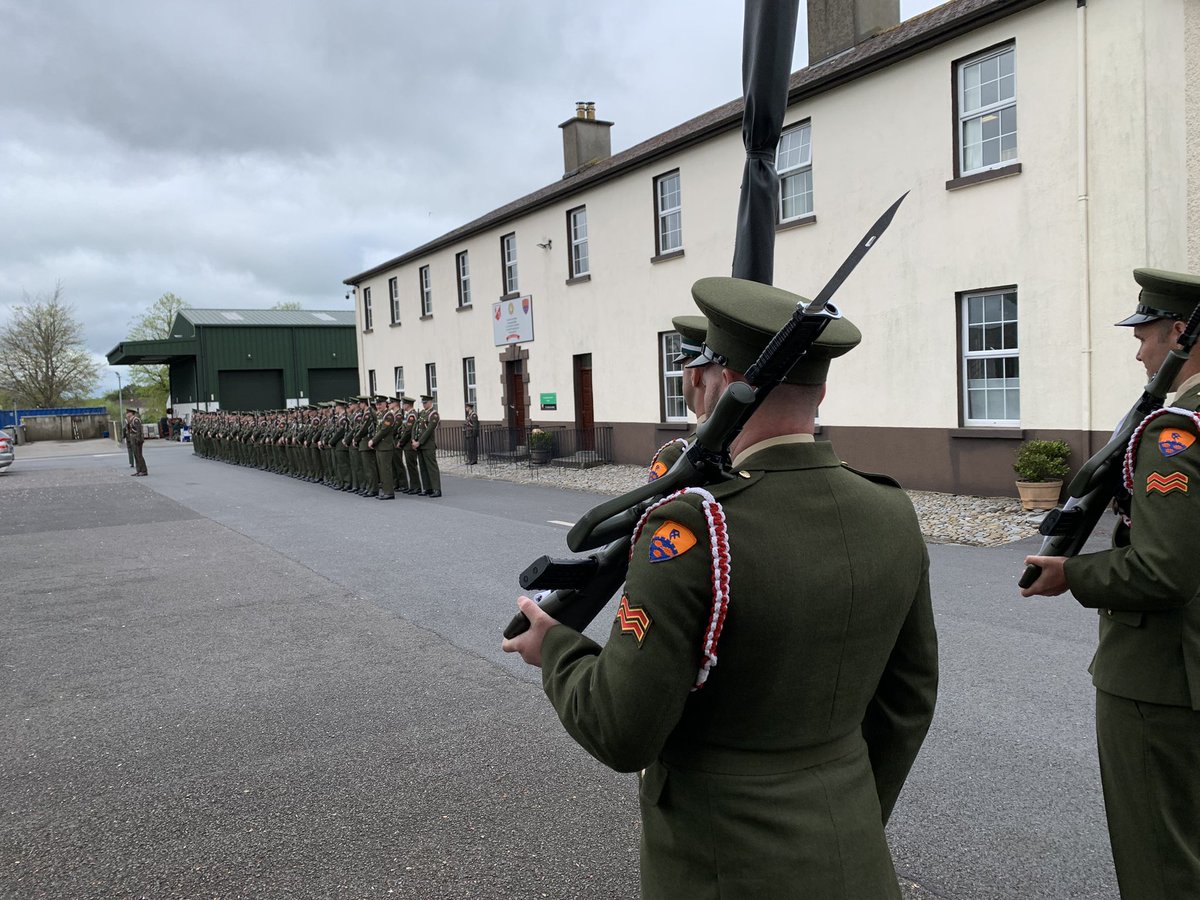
x: 6, y: 450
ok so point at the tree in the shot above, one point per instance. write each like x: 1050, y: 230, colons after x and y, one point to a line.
x: 43, y: 360
x: 288, y: 304
x: 154, y: 382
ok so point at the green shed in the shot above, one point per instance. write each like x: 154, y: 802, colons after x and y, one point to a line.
x: 251, y: 359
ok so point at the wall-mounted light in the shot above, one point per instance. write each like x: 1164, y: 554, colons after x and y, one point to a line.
x: 546, y: 245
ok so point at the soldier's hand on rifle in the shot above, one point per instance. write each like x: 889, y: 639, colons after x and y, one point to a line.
x: 529, y: 643
x: 1052, y: 581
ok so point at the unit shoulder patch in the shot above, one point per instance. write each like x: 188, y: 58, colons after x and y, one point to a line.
x: 1173, y: 441
x: 672, y: 539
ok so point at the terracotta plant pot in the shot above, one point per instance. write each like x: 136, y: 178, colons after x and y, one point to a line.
x: 1039, y: 494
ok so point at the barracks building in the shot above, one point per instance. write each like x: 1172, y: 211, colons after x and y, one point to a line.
x: 1050, y: 147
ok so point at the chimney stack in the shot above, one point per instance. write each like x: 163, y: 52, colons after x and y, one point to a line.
x: 586, y: 139
x: 838, y: 25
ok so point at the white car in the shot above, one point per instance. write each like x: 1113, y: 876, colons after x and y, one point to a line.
x: 6, y: 450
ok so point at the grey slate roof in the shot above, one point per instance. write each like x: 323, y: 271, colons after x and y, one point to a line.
x: 910, y: 37
x: 275, y: 317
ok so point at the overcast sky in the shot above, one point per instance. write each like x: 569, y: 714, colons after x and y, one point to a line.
x: 243, y: 153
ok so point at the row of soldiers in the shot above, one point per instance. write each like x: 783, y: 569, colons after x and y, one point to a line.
x: 370, y: 446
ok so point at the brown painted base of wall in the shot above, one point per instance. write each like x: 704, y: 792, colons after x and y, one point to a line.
x: 952, y: 460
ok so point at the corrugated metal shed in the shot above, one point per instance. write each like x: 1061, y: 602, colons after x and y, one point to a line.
x: 276, y: 317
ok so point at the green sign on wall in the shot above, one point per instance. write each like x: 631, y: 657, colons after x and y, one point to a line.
x: 549, y: 401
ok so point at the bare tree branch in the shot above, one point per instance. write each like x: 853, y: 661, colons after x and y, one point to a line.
x: 43, y: 360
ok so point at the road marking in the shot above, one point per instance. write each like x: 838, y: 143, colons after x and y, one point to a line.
x: 564, y: 524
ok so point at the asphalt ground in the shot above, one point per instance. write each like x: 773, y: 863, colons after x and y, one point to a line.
x: 218, y: 682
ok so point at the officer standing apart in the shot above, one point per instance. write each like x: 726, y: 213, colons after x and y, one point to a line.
x: 1147, y: 665
x: 424, y: 443
x: 384, y: 445
x: 471, y: 435
x: 773, y: 772
x: 133, y: 434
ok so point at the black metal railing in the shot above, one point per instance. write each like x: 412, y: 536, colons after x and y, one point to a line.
x: 533, y: 445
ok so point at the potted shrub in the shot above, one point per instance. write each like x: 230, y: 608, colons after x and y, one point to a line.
x: 540, y: 446
x: 1041, y: 467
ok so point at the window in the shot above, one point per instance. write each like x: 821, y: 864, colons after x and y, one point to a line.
x: 469, y: 380
x: 431, y: 380
x: 398, y: 376
x: 674, y: 407
x: 578, y: 234
x: 426, y: 293
x: 987, y: 111
x: 394, y: 294
x: 463, y: 266
x: 793, y: 161
x: 508, y: 259
x: 669, y: 236
x: 371, y: 389
x: 991, y: 364
x: 368, y: 322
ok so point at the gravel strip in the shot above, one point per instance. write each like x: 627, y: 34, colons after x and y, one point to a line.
x: 945, y: 518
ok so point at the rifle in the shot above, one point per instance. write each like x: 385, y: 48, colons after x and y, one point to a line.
x: 1066, y: 528
x: 575, y: 590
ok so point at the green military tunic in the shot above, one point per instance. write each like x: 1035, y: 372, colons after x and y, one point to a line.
x: 1147, y: 664
x: 424, y: 433
x: 411, y: 466
x: 776, y: 775
x: 385, y: 448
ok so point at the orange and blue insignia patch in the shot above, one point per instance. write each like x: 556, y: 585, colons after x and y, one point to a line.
x: 1164, y: 484
x: 633, y: 619
x: 658, y: 470
x: 671, y: 540
x: 1172, y: 441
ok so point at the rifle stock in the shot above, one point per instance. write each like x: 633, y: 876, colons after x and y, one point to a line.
x: 1067, y: 528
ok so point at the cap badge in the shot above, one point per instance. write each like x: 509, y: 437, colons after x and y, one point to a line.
x: 1172, y: 442
x: 671, y: 540
x: 633, y: 619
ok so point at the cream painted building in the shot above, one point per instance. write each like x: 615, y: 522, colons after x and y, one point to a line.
x: 1049, y: 148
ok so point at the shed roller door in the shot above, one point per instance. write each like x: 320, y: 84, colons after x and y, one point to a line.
x: 251, y: 389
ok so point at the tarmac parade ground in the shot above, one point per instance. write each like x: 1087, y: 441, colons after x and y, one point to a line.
x: 218, y: 682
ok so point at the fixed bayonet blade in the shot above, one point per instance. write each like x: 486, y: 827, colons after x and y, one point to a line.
x: 868, y: 241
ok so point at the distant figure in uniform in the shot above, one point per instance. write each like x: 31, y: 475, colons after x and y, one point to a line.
x: 411, y: 466
x: 1147, y: 590
x: 424, y: 442
x: 135, y: 437
x: 384, y: 444
x: 773, y: 773
x: 471, y: 435
x: 692, y: 330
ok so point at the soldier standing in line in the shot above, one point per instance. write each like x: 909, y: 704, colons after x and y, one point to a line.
x: 383, y: 442
x: 410, y: 452
x: 471, y: 435
x: 403, y: 436
x: 133, y: 434
x: 1146, y: 588
x: 354, y: 414
x: 692, y: 331
x: 772, y: 772
x: 366, y: 454
x: 341, y: 447
x: 425, y: 443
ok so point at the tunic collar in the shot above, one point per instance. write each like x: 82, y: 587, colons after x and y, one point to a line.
x: 789, y: 451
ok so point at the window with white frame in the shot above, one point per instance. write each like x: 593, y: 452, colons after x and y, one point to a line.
x: 674, y: 407
x: 667, y: 209
x: 577, y: 229
x: 508, y: 259
x: 394, y: 295
x: 987, y: 111
x: 462, y: 266
x: 469, y: 380
x: 431, y: 380
x: 368, y: 320
x: 398, y: 375
x: 793, y: 161
x: 991, y: 362
x: 426, y: 292
x: 371, y: 388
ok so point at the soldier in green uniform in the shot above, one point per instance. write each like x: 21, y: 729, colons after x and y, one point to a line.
x: 692, y: 330
x: 471, y: 435
x: 403, y: 437
x: 135, y: 437
x: 410, y: 451
x: 424, y: 441
x: 341, y: 447
x: 1146, y: 589
x: 383, y: 442
x: 354, y: 413
x: 772, y: 773
x: 366, y: 454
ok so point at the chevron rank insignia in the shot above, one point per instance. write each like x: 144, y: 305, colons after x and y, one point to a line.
x: 671, y: 540
x: 1164, y: 484
x: 633, y: 619
x: 1172, y: 441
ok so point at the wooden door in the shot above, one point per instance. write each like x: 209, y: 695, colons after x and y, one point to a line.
x: 514, y: 392
x: 585, y: 418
